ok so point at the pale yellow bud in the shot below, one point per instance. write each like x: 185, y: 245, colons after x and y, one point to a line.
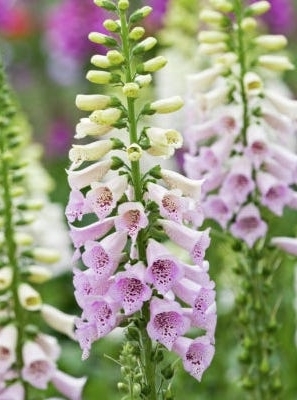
x: 248, y: 24
x: 152, y: 65
x: 100, y: 38
x: 222, y: 5
x: 111, y: 25
x: 253, y: 83
x: 6, y: 275
x: 227, y: 60
x: 137, y: 33
x: 212, y: 37
x: 211, y: 17
x: 259, y: 8
x: 212, y: 48
x: 168, y: 105
x: 100, y: 77
x: 115, y: 57
x: 38, y: 274
x: 100, y: 61
x: 123, y: 5
x: 271, y: 42
x: 45, y: 255
x: 145, y: 45
x: 88, y: 128
x: 134, y: 152
x: 23, y: 239
x: 108, y: 117
x: 143, y: 80
x: 131, y: 89
x: 275, y: 63
x: 29, y: 298
x: 91, y: 102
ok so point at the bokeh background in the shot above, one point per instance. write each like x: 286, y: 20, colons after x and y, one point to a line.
x: 46, y: 53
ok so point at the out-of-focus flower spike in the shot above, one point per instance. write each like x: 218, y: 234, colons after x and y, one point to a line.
x: 258, y: 8
x: 38, y: 274
x: 283, y: 104
x: 69, y: 386
x: 275, y: 63
x: 253, y: 84
x: 271, y: 42
x: 287, y: 244
x: 224, y: 6
x: 8, y: 341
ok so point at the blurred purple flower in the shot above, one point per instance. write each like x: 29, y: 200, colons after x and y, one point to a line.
x: 155, y: 20
x: 58, y: 139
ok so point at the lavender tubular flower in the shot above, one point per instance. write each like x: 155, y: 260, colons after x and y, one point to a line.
x: 128, y: 270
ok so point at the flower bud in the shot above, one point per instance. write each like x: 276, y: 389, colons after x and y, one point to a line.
x: 134, y: 152
x: 102, y: 77
x: 143, y: 80
x: 131, y: 89
x: 168, y: 105
x: 140, y: 14
x: 212, y: 48
x: 258, y: 8
x: 253, y: 83
x: 111, y: 25
x: 100, y: 61
x: 212, y: 36
x: 248, y: 24
x: 6, y: 275
x: 109, y: 116
x: 108, y: 5
x: 23, y: 239
x: 88, y: 128
x: 211, y: 17
x: 275, y: 63
x: 58, y: 320
x: 152, y: 65
x: 100, y: 38
x: 91, y: 102
x: 90, y: 152
x: 44, y: 255
x: 38, y: 274
x: 136, y: 33
x: 147, y: 44
x: 29, y: 298
x: 123, y: 5
x: 222, y: 5
x: 115, y: 57
x: 271, y: 42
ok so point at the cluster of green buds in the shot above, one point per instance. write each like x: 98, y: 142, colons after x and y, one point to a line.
x: 28, y: 360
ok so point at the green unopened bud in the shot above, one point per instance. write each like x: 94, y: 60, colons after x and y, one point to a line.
x: 276, y: 385
x: 108, y: 5
x: 111, y: 25
x: 145, y: 45
x: 117, y: 163
x: 91, y: 102
x: 100, y: 61
x: 168, y: 105
x: 123, y: 5
x: 248, y: 24
x: 271, y: 42
x: 152, y: 65
x: 33, y: 205
x: 140, y: 14
x: 115, y: 57
x: 258, y: 8
x: 122, y: 387
x: 212, y: 36
x: 131, y: 89
x: 168, y: 372
x: 248, y: 384
x: 134, y: 152
x: 17, y: 191
x: 137, y: 33
x: 222, y: 5
x: 100, y: 38
x: 102, y: 77
x: 136, y: 390
x: 264, y: 366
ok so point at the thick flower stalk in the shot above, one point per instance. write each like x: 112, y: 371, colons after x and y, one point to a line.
x: 240, y: 136
x: 124, y: 210
x: 28, y: 361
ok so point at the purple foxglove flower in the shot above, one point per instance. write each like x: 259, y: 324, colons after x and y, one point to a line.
x: 131, y: 218
x: 275, y: 194
x: 163, y: 268
x: 49, y: 345
x: 76, y: 206
x: 258, y: 149
x: 129, y: 288
x: 196, y: 354
x: 86, y: 334
x: 13, y: 392
x: 196, y: 242
x: 101, y: 312
x: 285, y: 157
x: 248, y: 225
x: 213, y: 156
x: 102, y: 198
x: 285, y: 243
x: 239, y: 180
x: 167, y: 322
x: 69, y: 386
x: 171, y: 204
x: 90, y: 232
x: 281, y: 172
x: 103, y: 257
x: 8, y: 340
x: 218, y: 208
x: 38, y: 369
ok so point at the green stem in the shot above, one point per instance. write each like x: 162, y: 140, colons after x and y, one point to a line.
x: 146, y: 343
